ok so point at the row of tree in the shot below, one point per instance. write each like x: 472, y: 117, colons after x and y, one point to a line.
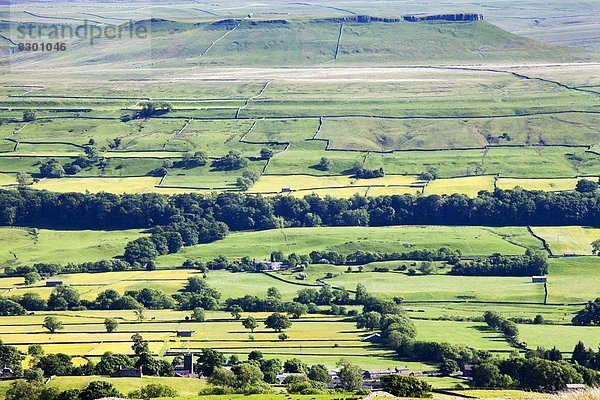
x: 239, y: 211
x: 196, y: 294
x: 37, y: 390
x: 499, y: 323
x: 36, y: 272
x: 365, y: 257
x: 529, y: 264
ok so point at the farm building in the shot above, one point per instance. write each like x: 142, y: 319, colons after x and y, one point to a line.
x: 112, y: 398
x: 335, y: 379
x: 576, y: 386
x: 7, y: 373
x: 54, y: 282
x: 373, y: 338
x: 185, y: 333
x: 187, y: 369
x: 377, y: 374
x: 281, y: 377
x: 271, y: 265
x: 539, y: 279
x: 468, y: 370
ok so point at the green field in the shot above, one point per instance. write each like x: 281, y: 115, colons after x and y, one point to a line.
x: 313, y: 338
x: 508, y: 101
x: 569, y: 239
x: 563, y: 337
x: 422, y: 111
x: 443, y: 287
x: 29, y: 246
x: 471, y: 241
x: 574, y: 279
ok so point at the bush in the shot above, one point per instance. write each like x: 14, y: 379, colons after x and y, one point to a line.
x: 405, y: 386
x: 29, y: 116
x: 152, y: 391
x: 586, y: 186
x: 97, y: 390
x: 9, y: 307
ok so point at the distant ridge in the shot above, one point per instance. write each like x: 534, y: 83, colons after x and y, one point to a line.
x: 444, y: 17
x: 363, y: 19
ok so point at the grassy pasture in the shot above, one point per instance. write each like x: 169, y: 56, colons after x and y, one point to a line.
x: 558, y: 314
x: 444, y: 287
x: 117, y: 166
x: 336, y: 93
x: 474, y: 334
x: 90, y: 285
x: 139, y: 184
x: 283, y: 130
x: 472, y: 108
x: 470, y: 240
x: 343, y: 193
x: 135, y: 90
x: 274, y: 183
x: 469, y: 185
x: 529, y: 162
x: 126, y: 385
x: 135, y: 135
x: 569, y: 239
x: 302, y: 158
x: 564, y: 337
x: 469, y: 40
x: 213, y: 137
x: 574, y: 279
x: 379, y: 134
x: 546, y: 184
x: 391, y: 190
x: 28, y: 246
x: 7, y: 179
x: 178, y: 190
x: 320, y: 339
x: 206, y: 178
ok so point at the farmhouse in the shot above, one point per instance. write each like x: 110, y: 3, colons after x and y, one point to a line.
x: 539, y: 279
x: 53, y: 282
x: 377, y: 374
x: 271, y: 265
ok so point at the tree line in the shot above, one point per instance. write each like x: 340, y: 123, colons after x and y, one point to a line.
x: 530, y: 264
x: 365, y: 257
x: 25, y: 207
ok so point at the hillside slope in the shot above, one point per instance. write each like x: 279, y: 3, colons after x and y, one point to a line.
x: 310, y: 42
